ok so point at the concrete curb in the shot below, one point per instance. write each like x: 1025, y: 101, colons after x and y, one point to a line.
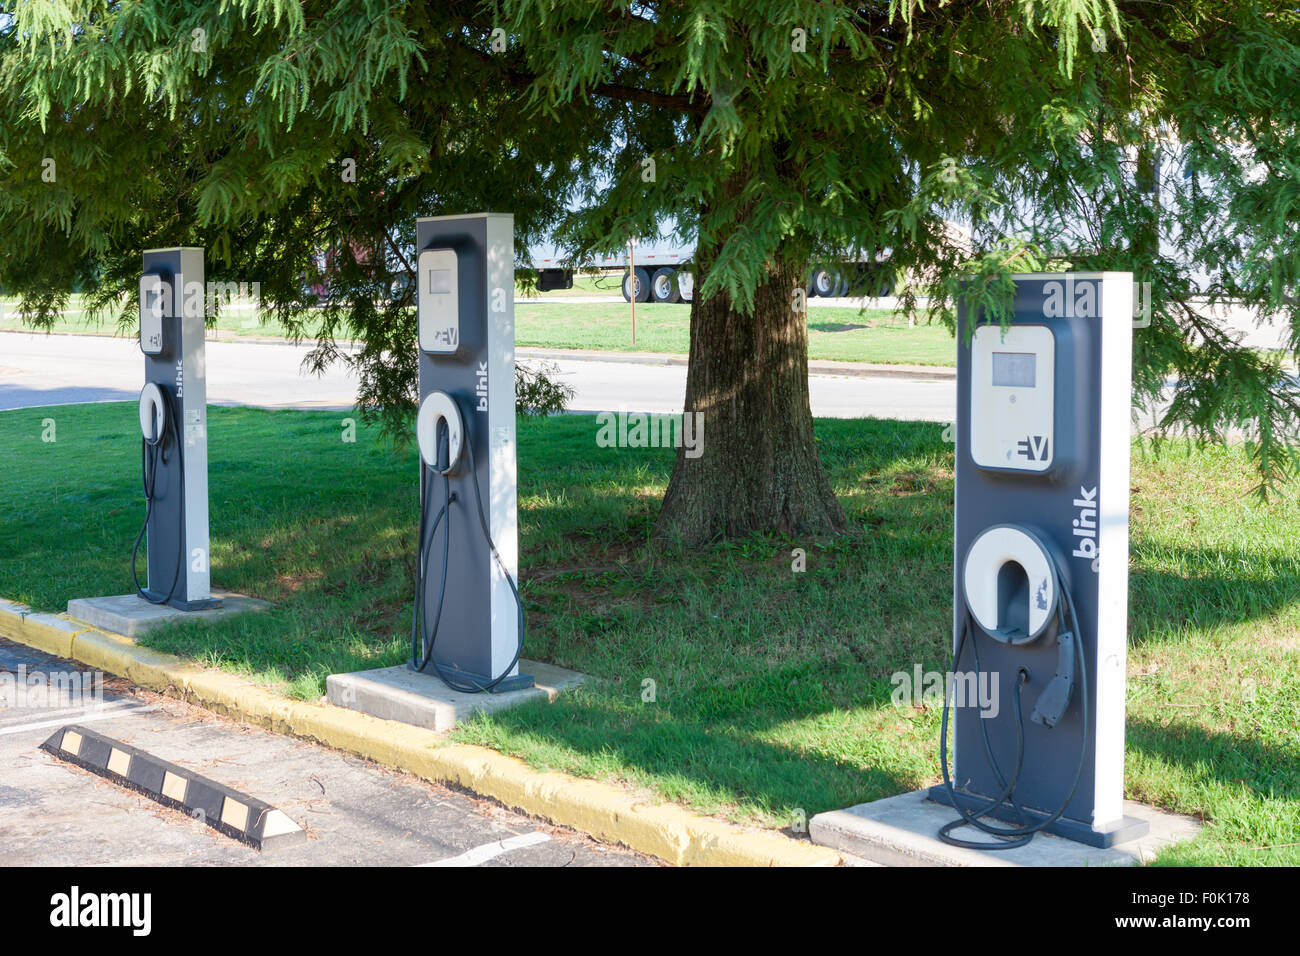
x: 662, y: 830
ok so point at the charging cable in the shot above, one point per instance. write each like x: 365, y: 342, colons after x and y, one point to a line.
x: 1010, y: 837
x: 422, y: 644
x: 153, y: 454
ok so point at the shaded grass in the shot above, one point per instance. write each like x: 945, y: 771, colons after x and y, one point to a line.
x: 723, y: 679
x: 294, y: 519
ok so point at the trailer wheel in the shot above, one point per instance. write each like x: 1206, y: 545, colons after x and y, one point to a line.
x: 642, y: 288
x: 663, y: 286
x: 685, y: 285
x: 829, y: 285
x: 823, y: 283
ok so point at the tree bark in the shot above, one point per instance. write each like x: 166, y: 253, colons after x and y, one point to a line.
x: 747, y: 382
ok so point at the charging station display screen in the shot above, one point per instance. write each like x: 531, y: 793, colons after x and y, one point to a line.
x: 438, y: 302
x: 1013, y: 398
x: 153, y: 306
x: 1014, y: 369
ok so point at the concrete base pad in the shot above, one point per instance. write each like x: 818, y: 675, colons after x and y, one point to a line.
x: 132, y: 615
x: 904, y: 831
x: 398, y: 693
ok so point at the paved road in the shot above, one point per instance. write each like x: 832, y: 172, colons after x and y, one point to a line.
x: 355, y: 813
x: 37, y: 369
x: 614, y: 386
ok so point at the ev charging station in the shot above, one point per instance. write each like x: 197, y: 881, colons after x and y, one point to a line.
x: 1040, y: 588
x: 174, y: 432
x: 468, y: 621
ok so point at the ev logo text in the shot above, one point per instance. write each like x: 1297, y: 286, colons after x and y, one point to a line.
x: 95, y: 910
x: 1033, y: 447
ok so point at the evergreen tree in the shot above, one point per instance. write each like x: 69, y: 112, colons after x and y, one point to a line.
x: 1157, y: 138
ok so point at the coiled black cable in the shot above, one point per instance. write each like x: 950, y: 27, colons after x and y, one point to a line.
x: 422, y: 645
x: 422, y: 649
x: 1008, y: 838
x: 153, y: 454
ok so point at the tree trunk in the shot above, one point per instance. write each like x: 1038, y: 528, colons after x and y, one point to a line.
x: 748, y: 382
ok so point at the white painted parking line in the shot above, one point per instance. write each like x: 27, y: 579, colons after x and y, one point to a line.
x: 97, y: 713
x: 488, y: 851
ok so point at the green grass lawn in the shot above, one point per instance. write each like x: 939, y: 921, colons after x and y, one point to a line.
x: 772, y: 692
x: 585, y: 285
x: 235, y: 320
x: 834, y: 334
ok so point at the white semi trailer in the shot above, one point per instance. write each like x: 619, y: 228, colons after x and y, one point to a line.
x: 661, y: 272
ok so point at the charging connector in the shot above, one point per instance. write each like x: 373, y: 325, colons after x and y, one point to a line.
x: 445, y: 458
x: 1051, y: 705
x: 156, y: 428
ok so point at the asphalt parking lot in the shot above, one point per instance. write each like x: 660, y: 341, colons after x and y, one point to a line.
x: 355, y: 812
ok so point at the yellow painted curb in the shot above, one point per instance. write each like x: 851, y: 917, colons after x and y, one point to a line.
x: 663, y: 830
x: 45, y: 632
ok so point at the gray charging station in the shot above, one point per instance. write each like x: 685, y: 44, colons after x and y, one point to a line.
x: 468, y: 622
x: 174, y: 430
x: 1041, y: 558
